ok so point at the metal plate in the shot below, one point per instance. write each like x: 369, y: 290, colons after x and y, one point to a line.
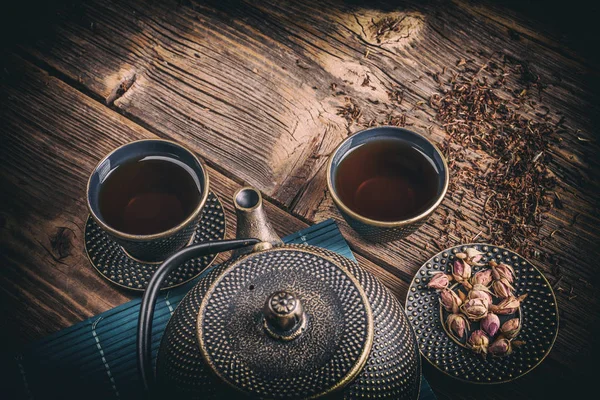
x: 539, y: 316
x: 114, y: 264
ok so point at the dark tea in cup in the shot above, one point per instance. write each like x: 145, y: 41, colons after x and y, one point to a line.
x: 387, y: 180
x: 149, y: 195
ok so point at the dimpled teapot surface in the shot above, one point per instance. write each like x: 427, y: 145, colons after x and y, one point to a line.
x: 287, y: 321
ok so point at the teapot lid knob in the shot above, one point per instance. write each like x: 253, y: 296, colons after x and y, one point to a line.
x: 284, y: 316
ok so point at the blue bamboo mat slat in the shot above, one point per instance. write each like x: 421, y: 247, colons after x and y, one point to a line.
x: 95, y: 359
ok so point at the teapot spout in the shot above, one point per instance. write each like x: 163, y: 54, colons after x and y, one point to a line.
x: 252, y: 222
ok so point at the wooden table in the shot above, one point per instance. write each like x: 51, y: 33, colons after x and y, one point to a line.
x: 256, y: 89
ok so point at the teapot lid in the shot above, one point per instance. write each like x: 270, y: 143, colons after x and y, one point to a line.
x: 288, y: 322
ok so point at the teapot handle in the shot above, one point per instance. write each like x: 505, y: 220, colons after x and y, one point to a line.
x: 144, y: 336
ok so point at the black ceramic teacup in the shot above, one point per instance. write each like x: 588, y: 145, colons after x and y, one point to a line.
x: 386, y: 230
x: 155, y: 205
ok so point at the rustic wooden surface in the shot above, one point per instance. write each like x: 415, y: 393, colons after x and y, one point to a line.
x: 256, y: 89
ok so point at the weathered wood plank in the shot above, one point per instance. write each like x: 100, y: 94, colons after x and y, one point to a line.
x: 219, y: 73
x: 53, y: 136
x: 239, y: 98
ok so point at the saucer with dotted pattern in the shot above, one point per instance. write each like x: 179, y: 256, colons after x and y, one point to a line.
x: 539, y: 320
x: 115, y: 265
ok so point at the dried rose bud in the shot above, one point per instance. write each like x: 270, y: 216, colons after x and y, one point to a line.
x: 475, y: 309
x: 511, y: 328
x: 502, y: 288
x: 475, y: 260
x: 481, y: 292
x: 478, y: 342
x: 461, y: 272
x: 493, y: 265
x: 490, y: 324
x: 508, y: 306
x: 474, y: 256
x: 450, y: 300
x: 458, y: 324
x: 439, y: 281
x: 502, y: 271
x: 500, y: 347
x: 482, y: 277
x: 506, y: 271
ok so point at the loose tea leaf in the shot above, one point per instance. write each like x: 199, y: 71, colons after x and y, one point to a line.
x: 480, y: 113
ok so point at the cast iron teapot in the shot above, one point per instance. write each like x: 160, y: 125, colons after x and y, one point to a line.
x: 279, y: 322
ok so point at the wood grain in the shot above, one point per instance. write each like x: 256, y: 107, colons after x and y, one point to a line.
x: 256, y: 88
x: 259, y: 115
x: 53, y: 136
